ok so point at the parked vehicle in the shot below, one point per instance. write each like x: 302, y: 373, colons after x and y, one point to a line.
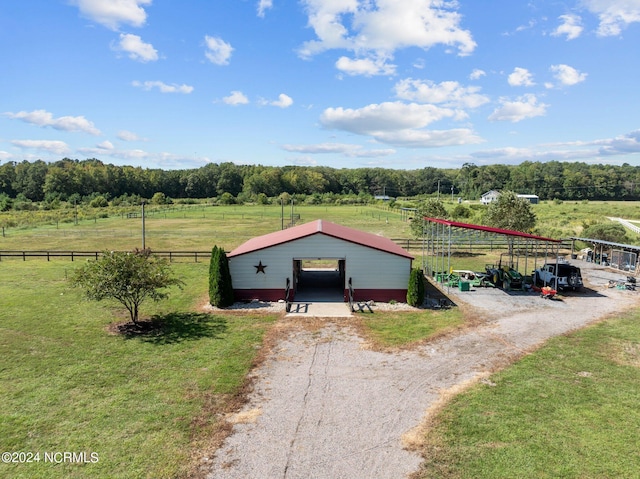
x: 560, y: 276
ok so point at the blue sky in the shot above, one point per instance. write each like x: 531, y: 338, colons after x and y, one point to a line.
x: 401, y: 84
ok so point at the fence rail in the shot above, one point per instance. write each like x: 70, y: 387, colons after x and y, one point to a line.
x: 73, y: 255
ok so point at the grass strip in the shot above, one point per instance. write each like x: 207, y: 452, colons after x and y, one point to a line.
x: 571, y: 410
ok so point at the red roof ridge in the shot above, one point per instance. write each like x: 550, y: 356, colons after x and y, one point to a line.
x: 328, y: 228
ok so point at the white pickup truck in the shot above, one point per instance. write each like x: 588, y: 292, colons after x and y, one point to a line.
x: 559, y: 276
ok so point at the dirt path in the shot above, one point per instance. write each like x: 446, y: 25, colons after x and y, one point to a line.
x: 326, y: 407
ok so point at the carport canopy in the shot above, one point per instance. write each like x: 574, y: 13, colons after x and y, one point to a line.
x: 628, y: 251
x: 441, y: 236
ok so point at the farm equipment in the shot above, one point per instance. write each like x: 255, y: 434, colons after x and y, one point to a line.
x: 474, y: 278
x: 506, y: 278
x: 547, y: 292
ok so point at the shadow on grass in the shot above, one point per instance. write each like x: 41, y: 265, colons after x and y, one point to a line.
x: 174, y: 328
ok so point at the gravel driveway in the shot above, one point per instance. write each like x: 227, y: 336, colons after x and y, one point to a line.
x: 324, y: 406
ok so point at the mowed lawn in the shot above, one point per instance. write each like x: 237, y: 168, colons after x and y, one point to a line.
x: 183, y: 227
x: 570, y: 410
x: 143, y: 404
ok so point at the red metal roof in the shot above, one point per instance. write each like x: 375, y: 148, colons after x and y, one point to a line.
x: 320, y: 227
x: 488, y: 229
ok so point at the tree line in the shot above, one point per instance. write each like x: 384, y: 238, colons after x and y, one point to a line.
x: 81, y: 181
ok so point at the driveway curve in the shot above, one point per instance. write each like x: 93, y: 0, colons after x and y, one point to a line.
x: 324, y: 406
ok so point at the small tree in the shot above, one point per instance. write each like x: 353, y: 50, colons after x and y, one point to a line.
x: 416, y: 289
x: 127, y: 277
x: 432, y: 208
x: 511, y: 213
x: 220, y: 284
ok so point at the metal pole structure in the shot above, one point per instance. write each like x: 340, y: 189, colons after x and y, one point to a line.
x: 449, y: 260
x: 143, y: 231
x: 281, y: 213
x: 423, y: 257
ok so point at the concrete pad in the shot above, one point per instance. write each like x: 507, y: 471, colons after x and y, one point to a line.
x: 319, y: 310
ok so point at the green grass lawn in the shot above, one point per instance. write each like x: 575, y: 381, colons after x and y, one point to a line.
x: 404, y: 329
x: 143, y: 404
x: 189, y: 228
x: 571, y: 409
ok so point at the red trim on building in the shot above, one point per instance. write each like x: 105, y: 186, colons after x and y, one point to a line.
x: 488, y: 229
x: 381, y: 295
x: 273, y: 295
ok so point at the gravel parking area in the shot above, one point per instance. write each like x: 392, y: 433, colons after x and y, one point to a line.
x: 324, y: 406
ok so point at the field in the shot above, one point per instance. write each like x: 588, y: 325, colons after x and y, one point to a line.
x: 147, y: 404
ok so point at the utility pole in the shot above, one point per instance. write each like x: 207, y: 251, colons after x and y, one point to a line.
x: 281, y: 212
x: 143, y: 232
x: 438, y: 190
x: 451, y: 193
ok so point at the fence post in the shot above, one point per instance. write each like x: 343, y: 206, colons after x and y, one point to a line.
x: 72, y: 256
x: 24, y: 258
x: 196, y: 256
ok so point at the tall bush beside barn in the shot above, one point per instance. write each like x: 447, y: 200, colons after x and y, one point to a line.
x: 416, y: 290
x: 220, y: 284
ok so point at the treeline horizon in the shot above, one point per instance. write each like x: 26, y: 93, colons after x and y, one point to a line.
x: 82, y: 180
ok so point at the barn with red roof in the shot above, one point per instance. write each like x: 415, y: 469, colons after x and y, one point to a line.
x: 376, y: 267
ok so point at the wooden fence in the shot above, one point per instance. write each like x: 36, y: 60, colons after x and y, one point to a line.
x: 73, y: 255
x: 196, y: 256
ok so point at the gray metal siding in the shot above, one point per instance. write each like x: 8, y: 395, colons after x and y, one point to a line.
x: 369, y: 268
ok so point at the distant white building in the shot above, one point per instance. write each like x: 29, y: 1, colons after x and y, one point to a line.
x: 489, y: 197
x: 493, y: 195
x: 533, y: 199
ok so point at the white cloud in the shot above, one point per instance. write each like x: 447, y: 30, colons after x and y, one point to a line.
x: 570, y: 26
x: 398, y: 123
x: 589, y: 151
x: 346, y: 149
x: 429, y: 138
x: 125, y: 135
x: 377, y: 28
x: 218, y: 51
x: 526, y: 106
x: 567, y: 75
x: 236, y: 98
x: 614, y: 15
x: 64, y: 123
x: 448, y: 93
x: 51, y: 146
x: 163, y: 87
x: 477, y: 74
x: 365, y: 66
x: 388, y: 116
x: 283, y: 101
x: 136, y: 48
x: 520, y: 77
x: 112, y: 13
x: 264, y: 5
x: 105, y: 145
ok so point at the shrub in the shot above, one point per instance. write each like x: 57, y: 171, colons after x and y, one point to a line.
x: 416, y: 290
x: 220, y: 284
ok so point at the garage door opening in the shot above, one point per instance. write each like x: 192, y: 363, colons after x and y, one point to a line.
x: 319, y: 279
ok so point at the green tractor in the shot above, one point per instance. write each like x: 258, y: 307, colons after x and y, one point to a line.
x: 505, y: 277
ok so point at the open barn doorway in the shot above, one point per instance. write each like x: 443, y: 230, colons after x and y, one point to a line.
x: 319, y: 279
